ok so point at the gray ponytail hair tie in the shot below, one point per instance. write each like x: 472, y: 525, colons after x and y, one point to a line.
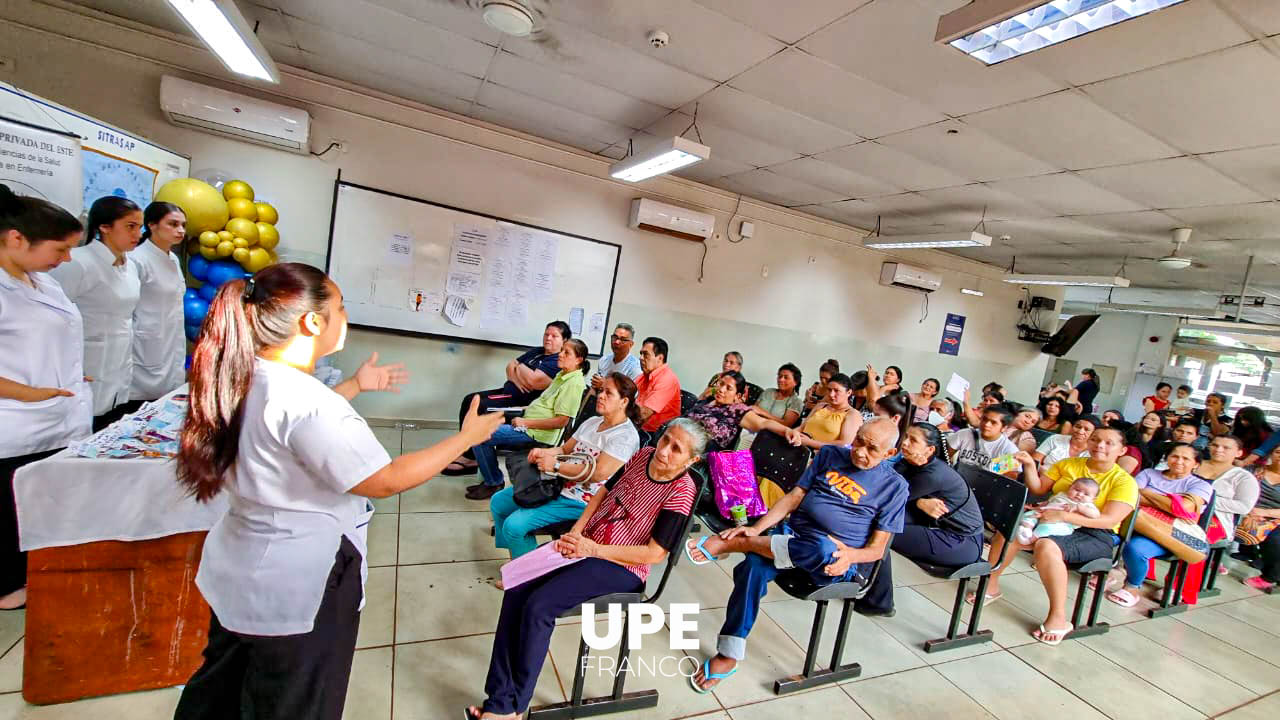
x: 249, y: 286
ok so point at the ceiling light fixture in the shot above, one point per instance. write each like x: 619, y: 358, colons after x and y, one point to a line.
x: 1084, y: 280
x: 221, y: 26
x: 970, y: 291
x: 996, y: 30
x: 935, y: 240
x: 508, y: 17
x: 1227, y: 327
x: 1190, y: 312
x: 666, y: 157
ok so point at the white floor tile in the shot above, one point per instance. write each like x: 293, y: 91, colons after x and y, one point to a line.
x: 447, y: 600
x: 369, y: 694
x: 867, y: 644
x: 918, y: 620
x: 1213, y: 653
x: 447, y: 537
x: 149, y: 705
x: 378, y: 617
x: 1013, y: 690
x: 831, y: 702
x: 383, y: 536
x: 919, y: 693
x: 11, y: 670
x: 443, y: 494
x: 1236, y: 632
x: 439, y: 679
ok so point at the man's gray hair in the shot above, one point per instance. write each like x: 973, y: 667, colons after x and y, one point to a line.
x: 697, y: 434
x: 893, y: 427
x: 628, y: 328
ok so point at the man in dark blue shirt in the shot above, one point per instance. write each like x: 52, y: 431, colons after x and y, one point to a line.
x: 527, y: 376
x: 844, y: 511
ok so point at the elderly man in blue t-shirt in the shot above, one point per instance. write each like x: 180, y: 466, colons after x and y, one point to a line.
x: 844, y: 511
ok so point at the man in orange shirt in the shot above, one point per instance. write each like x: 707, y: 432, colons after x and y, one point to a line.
x: 658, y: 388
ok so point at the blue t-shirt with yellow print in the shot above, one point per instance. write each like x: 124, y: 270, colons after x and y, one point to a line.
x: 848, y: 503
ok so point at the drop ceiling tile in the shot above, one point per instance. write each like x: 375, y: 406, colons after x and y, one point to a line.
x: 1261, y: 15
x: 847, y: 183
x: 761, y: 119
x: 890, y: 43
x: 967, y: 202
x: 854, y: 213
x: 1174, y: 33
x: 893, y: 166
x: 1069, y: 130
x: 724, y: 143
x: 546, y: 83
x: 1210, y: 103
x: 1254, y: 221
x: 454, y: 18
x: 538, y: 127
x: 155, y: 14
x: 614, y: 152
x: 816, y: 88
x: 1258, y: 168
x: 1023, y: 235
x: 1066, y: 194
x: 911, y: 204
x: 969, y: 151
x: 712, y: 168
x: 799, y: 19
x: 703, y: 41
x: 1178, y: 182
x: 543, y: 119
x: 1149, y: 224
x: 777, y: 189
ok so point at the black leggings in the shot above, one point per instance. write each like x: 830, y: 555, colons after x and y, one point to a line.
x: 1266, y: 556
x: 13, y: 562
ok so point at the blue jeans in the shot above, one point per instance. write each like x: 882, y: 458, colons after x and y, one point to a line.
x: 487, y: 455
x: 1138, y: 553
x: 513, y: 526
x: 752, y: 576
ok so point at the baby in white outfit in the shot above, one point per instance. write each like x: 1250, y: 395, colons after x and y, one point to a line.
x: 1078, y: 499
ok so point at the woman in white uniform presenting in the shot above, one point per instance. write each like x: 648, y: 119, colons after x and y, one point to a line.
x: 158, y: 341
x: 44, y: 401
x: 283, y: 570
x: 103, y: 282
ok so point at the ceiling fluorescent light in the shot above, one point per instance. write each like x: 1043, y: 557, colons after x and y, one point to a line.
x: 1228, y: 327
x: 1086, y: 280
x: 221, y: 26
x: 969, y: 291
x: 937, y: 240
x: 665, y: 157
x: 996, y: 30
x: 1191, y: 312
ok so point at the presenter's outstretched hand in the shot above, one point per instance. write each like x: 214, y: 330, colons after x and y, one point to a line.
x: 476, y: 427
x: 371, y: 376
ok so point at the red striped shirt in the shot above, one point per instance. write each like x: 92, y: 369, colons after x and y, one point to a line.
x: 627, y: 514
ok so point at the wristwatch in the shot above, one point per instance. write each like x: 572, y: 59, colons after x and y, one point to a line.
x: 556, y: 468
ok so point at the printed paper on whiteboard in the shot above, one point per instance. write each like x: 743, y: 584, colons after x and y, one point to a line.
x: 575, y: 320
x: 494, y: 312
x: 456, y: 310
x: 463, y: 283
x: 957, y: 386
x: 400, y: 249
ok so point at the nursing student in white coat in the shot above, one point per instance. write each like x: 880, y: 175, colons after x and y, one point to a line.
x: 159, y: 344
x: 283, y: 570
x: 44, y: 400
x: 103, y: 282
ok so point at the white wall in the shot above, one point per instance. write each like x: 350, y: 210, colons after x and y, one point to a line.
x: 1123, y: 340
x: 803, y: 312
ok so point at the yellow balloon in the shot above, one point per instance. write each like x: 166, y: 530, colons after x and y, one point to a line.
x: 242, y: 208
x: 209, y: 253
x: 274, y: 257
x: 225, y: 235
x: 246, y: 229
x: 267, y: 213
x: 200, y: 202
x: 240, y: 255
x: 237, y: 189
x: 258, y: 259
x: 240, y: 242
x: 209, y: 239
x: 225, y: 249
x: 268, y: 236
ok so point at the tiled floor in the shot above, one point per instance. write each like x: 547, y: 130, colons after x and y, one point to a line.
x: 427, y: 629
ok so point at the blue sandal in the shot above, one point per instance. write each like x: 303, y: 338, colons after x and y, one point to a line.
x: 701, y: 547
x: 708, y: 675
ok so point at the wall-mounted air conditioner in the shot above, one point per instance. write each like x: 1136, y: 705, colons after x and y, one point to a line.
x: 671, y: 220
x: 226, y: 113
x: 909, y: 277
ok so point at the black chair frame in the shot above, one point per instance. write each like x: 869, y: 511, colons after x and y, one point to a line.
x: 1001, y: 501
x: 1171, y: 595
x: 1217, y: 551
x: 1099, y: 569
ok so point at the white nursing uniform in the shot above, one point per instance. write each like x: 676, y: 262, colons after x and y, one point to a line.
x: 106, y: 294
x: 159, y: 345
x: 302, y: 447
x: 42, y: 337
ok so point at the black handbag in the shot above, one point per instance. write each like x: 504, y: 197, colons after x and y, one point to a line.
x: 532, y: 488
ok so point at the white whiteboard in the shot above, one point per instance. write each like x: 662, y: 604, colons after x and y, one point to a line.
x: 401, y: 261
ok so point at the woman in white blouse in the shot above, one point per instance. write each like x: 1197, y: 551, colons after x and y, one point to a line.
x: 158, y: 341
x: 284, y: 569
x: 44, y: 401
x: 103, y: 282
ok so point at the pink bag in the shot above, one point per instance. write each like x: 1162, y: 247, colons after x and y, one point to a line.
x: 733, y: 476
x: 534, y: 564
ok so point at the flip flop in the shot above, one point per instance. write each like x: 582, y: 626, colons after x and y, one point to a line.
x: 455, y: 469
x: 1061, y: 633
x: 1118, y: 597
x: 708, y: 675
x: 701, y: 546
x: 970, y: 597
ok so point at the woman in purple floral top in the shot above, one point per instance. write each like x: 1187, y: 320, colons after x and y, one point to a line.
x: 722, y: 414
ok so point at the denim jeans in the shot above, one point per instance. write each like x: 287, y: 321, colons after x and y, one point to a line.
x: 1137, y: 558
x: 513, y: 526
x: 487, y: 455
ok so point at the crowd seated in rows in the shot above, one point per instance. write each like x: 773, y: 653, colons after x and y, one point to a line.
x: 732, y: 362
x: 657, y: 388
x: 923, y: 400
x: 986, y: 442
x: 1256, y: 531
x: 818, y: 391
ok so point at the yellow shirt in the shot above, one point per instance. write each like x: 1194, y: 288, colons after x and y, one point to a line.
x: 1114, y: 485
x: 824, y: 424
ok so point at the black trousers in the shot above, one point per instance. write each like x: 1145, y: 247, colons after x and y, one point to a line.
x: 491, y: 399
x: 291, y: 677
x: 13, y: 562
x: 1265, y: 556
x: 929, y: 544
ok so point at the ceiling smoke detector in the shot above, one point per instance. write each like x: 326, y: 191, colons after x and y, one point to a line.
x: 658, y: 38
x: 508, y: 17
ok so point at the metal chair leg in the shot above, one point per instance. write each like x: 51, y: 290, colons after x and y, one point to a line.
x: 837, y: 672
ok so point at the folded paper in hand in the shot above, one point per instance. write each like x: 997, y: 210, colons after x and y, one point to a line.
x: 534, y: 565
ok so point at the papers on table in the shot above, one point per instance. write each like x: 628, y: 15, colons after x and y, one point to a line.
x: 152, y: 432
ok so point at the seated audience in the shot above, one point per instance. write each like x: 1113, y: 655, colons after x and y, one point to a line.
x: 1259, y: 541
x: 1211, y: 420
x: 1153, y: 438
x: 657, y: 388
x: 952, y: 414
x: 722, y: 415
x: 929, y: 390
x: 895, y: 408
x: 973, y: 415
x: 620, y: 360
x: 1053, y: 419
x: 843, y: 512
x: 539, y: 424
x: 865, y: 392
x: 1020, y: 431
x: 732, y: 362
x: 1061, y: 447
x: 892, y: 381
x: 984, y: 443
x: 781, y: 404
x: 1085, y: 391
x: 1078, y: 498
x: 1252, y: 428
x: 1181, y: 403
x: 818, y: 391
x: 609, y: 437
x: 781, y: 454
x: 943, y: 523
x: 1185, y: 432
x: 1160, y: 400
x: 1135, y: 458
x: 1095, y: 538
x: 1115, y: 419
x: 631, y: 524
x: 1264, y: 450
x: 1154, y: 489
x: 1236, y: 489
x: 527, y: 376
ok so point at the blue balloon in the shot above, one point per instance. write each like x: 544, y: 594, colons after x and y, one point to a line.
x: 190, y: 294
x: 208, y: 291
x: 194, y: 310
x: 198, y: 267
x: 193, y: 332
x: 222, y: 271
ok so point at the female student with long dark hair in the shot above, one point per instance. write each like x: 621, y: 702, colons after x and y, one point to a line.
x: 45, y: 402
x: 158, y: 340
x: 103, y: 282
x: 283, y: 570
